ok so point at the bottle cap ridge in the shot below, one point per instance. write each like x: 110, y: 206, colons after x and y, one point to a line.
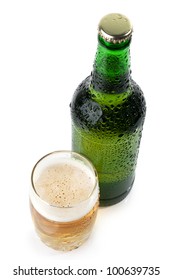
x: 115, y: 28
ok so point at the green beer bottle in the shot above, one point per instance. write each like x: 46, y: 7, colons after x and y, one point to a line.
x: 108, y: 110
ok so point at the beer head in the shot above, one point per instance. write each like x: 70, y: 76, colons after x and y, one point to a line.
x: 64, y: 186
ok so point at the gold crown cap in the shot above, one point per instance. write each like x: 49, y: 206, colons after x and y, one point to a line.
x: 115, y: 28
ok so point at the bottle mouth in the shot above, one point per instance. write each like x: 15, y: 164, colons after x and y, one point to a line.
x: 114, y: 46
x: 115, y: 28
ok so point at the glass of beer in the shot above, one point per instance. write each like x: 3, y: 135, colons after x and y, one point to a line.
x: 64, y: 199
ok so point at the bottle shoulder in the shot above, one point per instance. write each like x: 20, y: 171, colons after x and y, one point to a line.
x: 84, y: 110
x: 95, y: 110
x: 85, y: 92
x: 81, y: 93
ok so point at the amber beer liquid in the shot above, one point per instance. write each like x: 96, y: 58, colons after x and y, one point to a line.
x: 64, y: 200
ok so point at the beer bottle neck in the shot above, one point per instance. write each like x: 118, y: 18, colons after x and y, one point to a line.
x: 111, y: 69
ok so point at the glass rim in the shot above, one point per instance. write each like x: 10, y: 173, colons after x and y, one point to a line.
x: 82, y: 158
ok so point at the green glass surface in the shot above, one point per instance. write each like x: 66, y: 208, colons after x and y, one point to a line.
x: 108, y: 111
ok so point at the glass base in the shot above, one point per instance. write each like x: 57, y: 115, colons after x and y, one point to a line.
x: 64, y: 236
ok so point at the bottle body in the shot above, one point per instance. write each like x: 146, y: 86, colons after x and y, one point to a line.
x: 107, y: 129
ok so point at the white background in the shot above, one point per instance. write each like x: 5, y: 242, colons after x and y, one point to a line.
x: 46, y: 49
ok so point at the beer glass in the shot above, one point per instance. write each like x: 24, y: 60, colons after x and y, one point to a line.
x: 64, y: 199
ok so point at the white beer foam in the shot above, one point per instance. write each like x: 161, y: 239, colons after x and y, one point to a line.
x: 70, y: 194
